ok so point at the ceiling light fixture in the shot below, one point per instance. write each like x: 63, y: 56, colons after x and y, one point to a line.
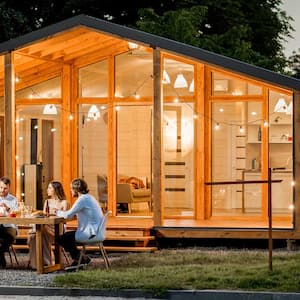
x: 180, y: 82
x: 94, y: 112
x: 280, y: 106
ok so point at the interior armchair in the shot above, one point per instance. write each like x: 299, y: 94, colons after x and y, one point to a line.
x: 128, y: 195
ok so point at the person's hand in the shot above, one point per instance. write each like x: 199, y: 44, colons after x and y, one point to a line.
x: 4, y: 206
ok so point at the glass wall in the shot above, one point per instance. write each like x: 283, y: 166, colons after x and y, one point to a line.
x: 178, y: 138
x: 236, y: 155
x: 133, y: 75
x: 37, y: 164
x: 228, y: 85
x: 281, y: 151
x: 93, y: 80
x: 92, y: 149
x: 134, y: 160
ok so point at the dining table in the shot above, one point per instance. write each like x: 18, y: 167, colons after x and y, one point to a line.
x: 40, y: 222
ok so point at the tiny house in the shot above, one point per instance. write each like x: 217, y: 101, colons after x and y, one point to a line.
x: 149, y: 122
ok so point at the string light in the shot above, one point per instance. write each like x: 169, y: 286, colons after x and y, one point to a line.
x: 176, y: 100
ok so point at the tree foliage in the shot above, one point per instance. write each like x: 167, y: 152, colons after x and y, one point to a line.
x: 252, y: 31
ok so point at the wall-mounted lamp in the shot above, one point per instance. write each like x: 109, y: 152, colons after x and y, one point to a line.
x: 50, y: 109
x: 180, y: 82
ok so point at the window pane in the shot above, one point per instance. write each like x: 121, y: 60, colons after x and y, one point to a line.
x: 134, y: 74
x: 36, y: 164
x: 179, y: 159
x: 92, y: 149
x: 236, y: 155
x: 134, y: 160
x: 93, y: 80
x: 178, y: 79
x: 281, y: 151
x: 47, y: 89
x: 227, y: 85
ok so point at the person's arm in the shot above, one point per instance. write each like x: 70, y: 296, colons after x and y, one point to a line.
x: 77, y: 206
x: 65, y: 205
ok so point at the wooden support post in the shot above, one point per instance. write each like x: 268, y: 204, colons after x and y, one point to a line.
x: 270, y: 218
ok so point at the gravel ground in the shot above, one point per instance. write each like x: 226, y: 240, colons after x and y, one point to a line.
x: 21, y: 275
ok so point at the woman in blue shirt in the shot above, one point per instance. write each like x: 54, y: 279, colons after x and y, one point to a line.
x: 89, y: 216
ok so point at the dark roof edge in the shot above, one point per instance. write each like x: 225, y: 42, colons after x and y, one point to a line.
x: 155, y: 42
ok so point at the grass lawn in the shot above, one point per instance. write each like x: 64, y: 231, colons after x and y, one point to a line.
x: 194, y: 268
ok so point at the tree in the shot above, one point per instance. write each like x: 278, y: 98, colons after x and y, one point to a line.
x: 252, y: 31
x: 294, y: 64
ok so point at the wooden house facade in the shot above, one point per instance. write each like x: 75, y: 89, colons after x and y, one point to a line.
x: 150, y: 124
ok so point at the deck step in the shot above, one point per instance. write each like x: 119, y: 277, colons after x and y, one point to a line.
x: 118, y: 239
x: 107, y: 248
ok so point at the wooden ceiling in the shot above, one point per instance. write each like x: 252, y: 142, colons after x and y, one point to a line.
x: 44, y: 59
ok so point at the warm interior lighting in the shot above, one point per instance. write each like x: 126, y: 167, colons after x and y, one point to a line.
x: 280, y: 106
x: 132, y: 45
x: 166, y: 78
x: 180, y: 82
x: 217, y: 127
x: 191, y: 88
x: 50, y: 109
x: 94, y: 112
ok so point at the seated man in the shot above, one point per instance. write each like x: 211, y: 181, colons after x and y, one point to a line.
x: 8, y: 232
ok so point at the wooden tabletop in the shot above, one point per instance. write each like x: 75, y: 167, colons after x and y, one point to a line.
x: 31, y: 220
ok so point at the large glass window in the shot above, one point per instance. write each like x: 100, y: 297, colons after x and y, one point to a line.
x: 46, y: 89
x: 178, y: 79
x: 93, y: 80
x: 134, y: 160
x: 228, y: 85
x: 236, y: 155
x: 37, y: 164
x: 92, y: 149
x: 134, y: 74
x: 179, y: 159
x: 281, y: 151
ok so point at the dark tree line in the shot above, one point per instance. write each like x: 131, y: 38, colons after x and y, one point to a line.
x: 251, y: 31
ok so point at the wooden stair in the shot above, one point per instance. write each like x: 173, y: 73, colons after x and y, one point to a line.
x: 119, y: 238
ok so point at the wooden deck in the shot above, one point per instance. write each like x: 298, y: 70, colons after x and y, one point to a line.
x: 214, y: 228
x: 138, y: 234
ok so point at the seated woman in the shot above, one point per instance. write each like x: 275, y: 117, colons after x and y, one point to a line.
x: 56, y: 201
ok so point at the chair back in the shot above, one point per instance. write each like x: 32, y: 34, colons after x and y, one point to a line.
x: 124, y: 194
x: 101, y: 232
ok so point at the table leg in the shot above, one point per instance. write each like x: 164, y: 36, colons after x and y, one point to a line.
x: 57, y: 249
x: 39, y: 249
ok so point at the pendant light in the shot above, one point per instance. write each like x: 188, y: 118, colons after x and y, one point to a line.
x: 94, y: 112
x: 280, y: 106
x: 180, y: 82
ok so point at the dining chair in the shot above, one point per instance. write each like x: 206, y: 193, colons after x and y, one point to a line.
x: 97, y: 240
x: 12, y: 251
